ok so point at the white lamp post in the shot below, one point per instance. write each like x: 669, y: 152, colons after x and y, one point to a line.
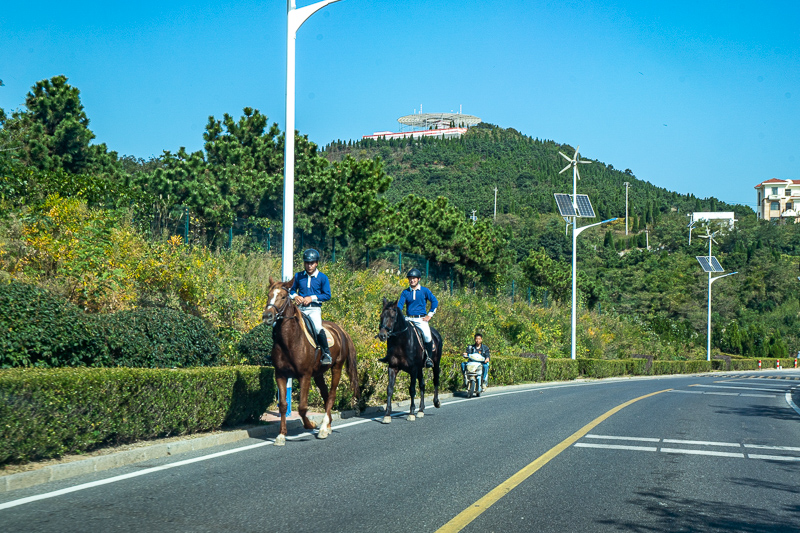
x: 294, y: 19
x: 710, y: 281
x: 575, y: 232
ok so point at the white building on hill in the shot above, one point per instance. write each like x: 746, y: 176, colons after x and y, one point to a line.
x: 777, y: 199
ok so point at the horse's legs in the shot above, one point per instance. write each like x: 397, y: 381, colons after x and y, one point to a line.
x: 421, y: 412
x: 436, y: 402
x: 280, y: 440
x: 305, y: 384
x: 411, y: 390
x: 387, y: 417
x: 328, y: 397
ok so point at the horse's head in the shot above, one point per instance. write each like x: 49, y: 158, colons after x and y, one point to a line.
x: 389, y: 317
x: 278, y: 301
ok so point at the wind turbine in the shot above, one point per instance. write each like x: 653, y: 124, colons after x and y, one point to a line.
x: 573, y: 163
x: 710, y: 237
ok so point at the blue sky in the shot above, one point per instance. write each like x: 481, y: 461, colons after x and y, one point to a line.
x: 700, y: 97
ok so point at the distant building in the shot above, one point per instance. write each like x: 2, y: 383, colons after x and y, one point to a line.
x: 777, y: 199
x: 444, y: 125
x: 725, y: 216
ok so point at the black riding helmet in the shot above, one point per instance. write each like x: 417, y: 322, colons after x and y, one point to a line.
x: 310, y: 256
x: 414, y: 273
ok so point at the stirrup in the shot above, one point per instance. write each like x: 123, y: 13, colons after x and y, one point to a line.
x: 326, y: 359
x: 428, y: 362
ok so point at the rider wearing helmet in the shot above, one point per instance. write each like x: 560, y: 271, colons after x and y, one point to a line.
x: 415, y: 298
x: 309, y: 289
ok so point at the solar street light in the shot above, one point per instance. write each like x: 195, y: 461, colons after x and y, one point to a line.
x: 575, y: 232
x: 294, y: 19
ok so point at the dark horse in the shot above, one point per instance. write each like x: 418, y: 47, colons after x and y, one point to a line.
x: 293, y: 356
x: 404, y: 351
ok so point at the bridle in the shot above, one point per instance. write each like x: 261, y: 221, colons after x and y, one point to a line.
x: 393, y: 332
x: 280, y: 312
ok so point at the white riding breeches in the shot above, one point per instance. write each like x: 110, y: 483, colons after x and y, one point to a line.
x: 315, y: 314
x: 426, y: 329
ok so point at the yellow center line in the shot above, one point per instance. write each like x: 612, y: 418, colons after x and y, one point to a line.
x: 476, y: 509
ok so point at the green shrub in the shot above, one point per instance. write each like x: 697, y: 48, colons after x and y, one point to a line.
x: 46, y: 413
x: 39, y: 329
x: 635, y: 367
x: 153, y: 337
x: 255, y: 348
x: 601, y: 368
x: 561, y: 369
x: 513, y: 370
x: 680, y: 367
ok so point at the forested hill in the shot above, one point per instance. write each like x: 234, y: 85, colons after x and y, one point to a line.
x: 524, y: 170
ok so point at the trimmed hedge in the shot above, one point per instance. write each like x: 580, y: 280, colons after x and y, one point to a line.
x: 46, y: 413
x: 256, y: 345
x: 156, y: 337
x: 39, y: 329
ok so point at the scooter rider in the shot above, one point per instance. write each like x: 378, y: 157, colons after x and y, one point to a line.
x: 483, y: 350
x: 310, y: 288
x: 415, y: 298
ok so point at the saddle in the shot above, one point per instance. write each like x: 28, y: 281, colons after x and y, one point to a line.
x: 311, y: 333
x: 420, y: 337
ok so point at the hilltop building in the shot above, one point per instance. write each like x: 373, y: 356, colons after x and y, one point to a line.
x: 777, y: 199
x: 444, y: 125
x: 708, y: 216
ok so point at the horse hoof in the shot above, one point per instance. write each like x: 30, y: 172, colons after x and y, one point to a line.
x: 386, y: 420
x: 280, y: 440
x: 437, y: 404
x: 420, y: 414
x: 411, y: 418
x: 323, y: 433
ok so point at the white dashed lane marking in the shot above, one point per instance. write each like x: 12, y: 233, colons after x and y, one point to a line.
x: 689, y: 451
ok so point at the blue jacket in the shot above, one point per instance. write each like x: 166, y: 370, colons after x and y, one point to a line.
x: 416, y: 301
x: 319, y: 287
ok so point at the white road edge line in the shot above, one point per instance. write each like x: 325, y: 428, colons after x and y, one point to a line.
x: 615, y: 447
x: 702, y: 452
x: 763, y: 447
x: 614, y: 437
x: 773, y: 457
x: 791, y: 403
x: 761, y: 389
x: 703, y: 443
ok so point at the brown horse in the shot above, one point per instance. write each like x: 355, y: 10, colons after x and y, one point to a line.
x: 293, y: 356
x: 404, y: 351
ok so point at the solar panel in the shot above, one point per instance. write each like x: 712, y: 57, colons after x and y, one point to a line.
x: 584, y: 206
x: 709, y: 264
x: 564, y: 203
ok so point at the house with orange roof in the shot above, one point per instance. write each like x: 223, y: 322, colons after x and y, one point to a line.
x: 778, y: 199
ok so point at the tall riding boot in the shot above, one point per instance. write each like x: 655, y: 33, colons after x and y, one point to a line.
x: 428, y: 354
x: 322, y: 339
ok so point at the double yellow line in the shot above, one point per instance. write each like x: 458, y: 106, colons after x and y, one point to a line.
x: 476, y: 509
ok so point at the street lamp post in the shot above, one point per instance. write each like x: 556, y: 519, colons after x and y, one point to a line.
x: 710, y: 281
x: 575, y: 232
x: 294, y: 19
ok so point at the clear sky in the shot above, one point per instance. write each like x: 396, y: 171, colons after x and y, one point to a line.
x: 694, y: 96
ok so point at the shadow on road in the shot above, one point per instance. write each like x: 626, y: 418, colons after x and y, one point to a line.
x: 672, y: 513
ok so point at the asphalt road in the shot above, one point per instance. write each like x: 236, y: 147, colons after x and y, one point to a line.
x: 716, y: 452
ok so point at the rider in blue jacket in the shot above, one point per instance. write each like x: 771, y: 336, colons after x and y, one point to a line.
x: 415, y: 299
x: 309, y: 289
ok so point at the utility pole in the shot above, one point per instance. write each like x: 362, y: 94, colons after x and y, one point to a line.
x: 647, y: 237
x: 495, y: 203
x: 626, y: 206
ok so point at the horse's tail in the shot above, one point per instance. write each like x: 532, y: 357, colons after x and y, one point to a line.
x: 350, y: 362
